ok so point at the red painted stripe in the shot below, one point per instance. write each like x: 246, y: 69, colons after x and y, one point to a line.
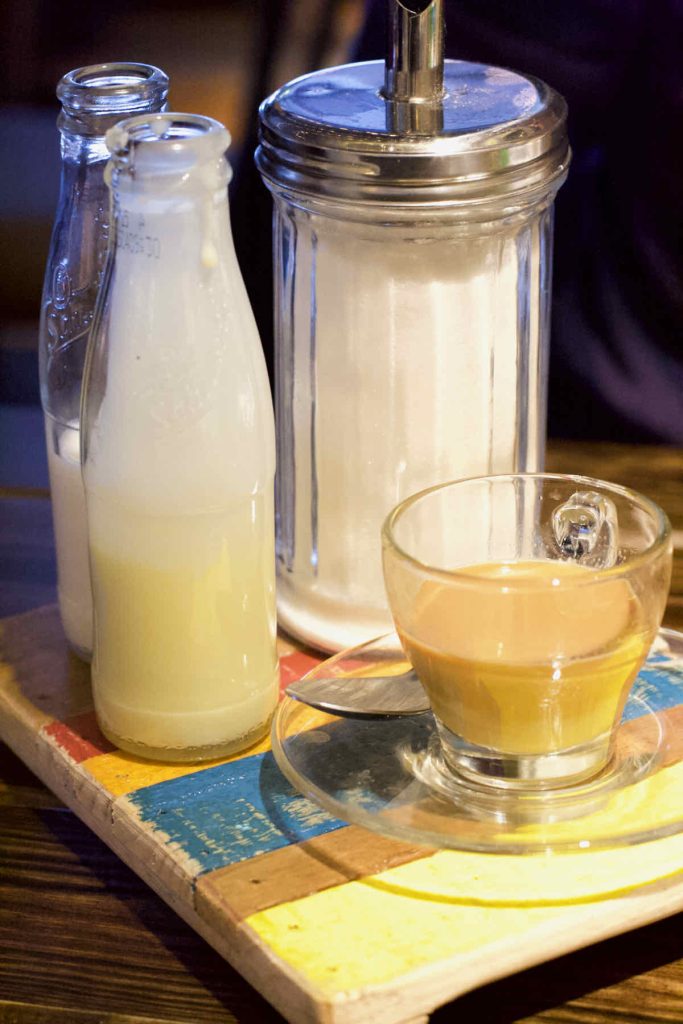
x: 294, y: 666
x: 80, y: 737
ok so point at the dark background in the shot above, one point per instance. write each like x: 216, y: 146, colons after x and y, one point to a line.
x: 221, y: 59
x: 616, y: 354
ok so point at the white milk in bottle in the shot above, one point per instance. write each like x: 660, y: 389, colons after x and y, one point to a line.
x: 179, y: 460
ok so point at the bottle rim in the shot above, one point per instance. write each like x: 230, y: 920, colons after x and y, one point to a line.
x: 170, y: 126
x: 167, y: 144
x: 96, y: 96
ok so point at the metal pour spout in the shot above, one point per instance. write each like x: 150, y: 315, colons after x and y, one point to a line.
x: 415, y: 53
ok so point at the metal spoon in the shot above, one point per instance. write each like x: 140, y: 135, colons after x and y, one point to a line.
x: 363, y: 697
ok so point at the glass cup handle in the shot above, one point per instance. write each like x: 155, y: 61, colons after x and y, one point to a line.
x: 585, y: 529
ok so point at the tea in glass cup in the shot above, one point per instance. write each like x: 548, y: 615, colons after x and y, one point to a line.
x: 527, y: 604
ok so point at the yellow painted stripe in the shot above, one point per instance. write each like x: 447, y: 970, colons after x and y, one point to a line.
x: 377, y: 929
x: 359, y: 934
x: 654, y: 802
x: 544, y: 880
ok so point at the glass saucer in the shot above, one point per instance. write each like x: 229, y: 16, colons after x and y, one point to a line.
x: 388, y: 774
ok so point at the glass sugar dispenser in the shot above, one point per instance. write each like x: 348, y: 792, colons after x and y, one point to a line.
x: 412, y: 241
x: 93, y: 99
x: 178, y: 453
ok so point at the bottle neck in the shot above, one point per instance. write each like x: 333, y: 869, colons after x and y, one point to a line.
x: 169, y: 174
x: 83, y: 149
x: 184, y: 234
x: 83, y: 213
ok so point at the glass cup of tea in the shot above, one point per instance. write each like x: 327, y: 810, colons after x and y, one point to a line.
x: 527, y: 604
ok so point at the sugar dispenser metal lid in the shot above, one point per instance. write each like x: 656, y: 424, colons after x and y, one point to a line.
x: 414, y: 128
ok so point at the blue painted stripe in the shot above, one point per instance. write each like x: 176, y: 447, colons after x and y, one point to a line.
x: 659, y: 684
x: 235, y: 811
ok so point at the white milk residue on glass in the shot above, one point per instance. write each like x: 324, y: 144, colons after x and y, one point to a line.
x: 71, y: 531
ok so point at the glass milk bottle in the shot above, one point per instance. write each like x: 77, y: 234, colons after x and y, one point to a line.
x: 93, y: 100
x: 178, y: 459
x: 412, y: 242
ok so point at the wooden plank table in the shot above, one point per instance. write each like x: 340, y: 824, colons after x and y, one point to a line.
x: 82, y: 939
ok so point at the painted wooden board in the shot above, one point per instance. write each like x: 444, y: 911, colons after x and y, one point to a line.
x: 329, y: 922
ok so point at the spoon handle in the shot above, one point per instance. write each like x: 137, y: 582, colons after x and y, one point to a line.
x: 363, y: 697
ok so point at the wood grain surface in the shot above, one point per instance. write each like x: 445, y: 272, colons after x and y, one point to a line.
x: 82, y: 939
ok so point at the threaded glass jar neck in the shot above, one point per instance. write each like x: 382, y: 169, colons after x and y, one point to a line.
x: 96, y: 97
